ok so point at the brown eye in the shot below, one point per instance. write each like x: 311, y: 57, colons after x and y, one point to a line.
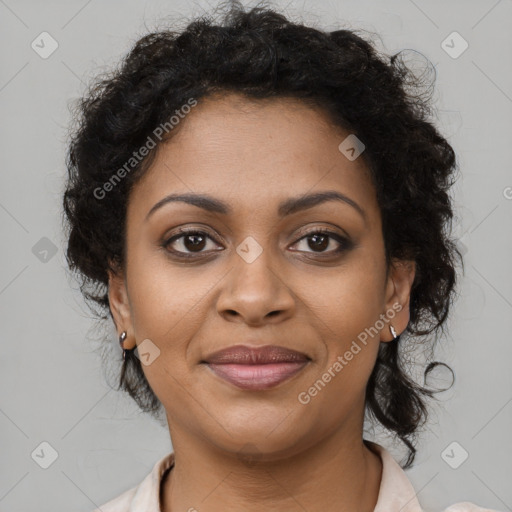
x: 188, y: 242
x: 318, y: 241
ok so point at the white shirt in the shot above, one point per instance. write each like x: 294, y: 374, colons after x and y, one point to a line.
x: 396, y: 493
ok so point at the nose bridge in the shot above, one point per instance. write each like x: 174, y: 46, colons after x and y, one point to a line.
x: 254, y: 288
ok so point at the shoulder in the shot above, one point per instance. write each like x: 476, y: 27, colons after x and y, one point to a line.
x: 397, y: 493
x: 467, y: 507
x: 143, y: 497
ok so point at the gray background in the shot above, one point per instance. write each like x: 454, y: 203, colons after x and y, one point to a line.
x: 53, y: 385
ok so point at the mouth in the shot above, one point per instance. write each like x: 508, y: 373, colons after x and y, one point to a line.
x: 256, y: 368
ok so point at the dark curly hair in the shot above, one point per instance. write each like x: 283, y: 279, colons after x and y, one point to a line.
x: 262, y: 54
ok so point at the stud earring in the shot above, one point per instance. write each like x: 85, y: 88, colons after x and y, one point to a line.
x: 393, y: 332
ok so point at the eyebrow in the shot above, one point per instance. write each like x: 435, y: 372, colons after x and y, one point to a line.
x: 287, y: 207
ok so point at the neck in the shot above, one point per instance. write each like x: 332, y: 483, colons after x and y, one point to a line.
x: 340, y: 473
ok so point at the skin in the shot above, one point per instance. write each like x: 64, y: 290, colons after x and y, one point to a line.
x: 260, y: 450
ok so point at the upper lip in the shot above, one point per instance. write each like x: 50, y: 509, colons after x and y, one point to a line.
x: 242, y: 354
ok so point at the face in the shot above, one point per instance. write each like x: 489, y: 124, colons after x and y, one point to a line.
x: 261, y: 267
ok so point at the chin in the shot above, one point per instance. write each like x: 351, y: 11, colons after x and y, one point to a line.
x: 267, y: 432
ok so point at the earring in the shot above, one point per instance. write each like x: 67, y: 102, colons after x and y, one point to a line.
x: 393, y: 332
x: 121, y: 340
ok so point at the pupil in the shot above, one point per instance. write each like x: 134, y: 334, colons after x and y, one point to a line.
x: 322, y: 245
x: 194, y: 245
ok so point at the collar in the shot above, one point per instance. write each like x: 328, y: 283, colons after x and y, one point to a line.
x: 396, y: 491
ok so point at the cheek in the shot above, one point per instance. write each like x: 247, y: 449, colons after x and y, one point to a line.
x: 348, y: 307
x: 349, y: 300
x: 167, y: 309
x: 165, y: 299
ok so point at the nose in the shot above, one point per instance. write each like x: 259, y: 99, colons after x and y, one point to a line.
x: 255, y: 294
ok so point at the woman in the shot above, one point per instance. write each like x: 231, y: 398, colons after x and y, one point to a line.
x: 261, y: 208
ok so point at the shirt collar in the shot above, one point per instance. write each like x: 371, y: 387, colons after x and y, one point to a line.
x: 147, y: 493
x: 396, y: 491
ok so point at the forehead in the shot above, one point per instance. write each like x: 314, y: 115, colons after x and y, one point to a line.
x: 253, y: 154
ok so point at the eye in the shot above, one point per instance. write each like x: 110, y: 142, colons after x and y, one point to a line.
x: 320, y: 239
x: 193, y: 241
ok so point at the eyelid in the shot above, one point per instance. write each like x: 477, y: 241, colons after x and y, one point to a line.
x: 327, y: 230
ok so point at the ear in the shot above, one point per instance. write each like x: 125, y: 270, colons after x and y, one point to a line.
x: 398, y: 293
x: 120, y: 306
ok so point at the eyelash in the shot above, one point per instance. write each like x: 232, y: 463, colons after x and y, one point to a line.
x: 345, y: 243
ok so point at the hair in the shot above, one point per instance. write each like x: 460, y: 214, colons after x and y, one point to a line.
x: 261, y: 54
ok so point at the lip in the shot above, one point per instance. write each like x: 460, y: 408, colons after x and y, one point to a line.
x: 256, y: 368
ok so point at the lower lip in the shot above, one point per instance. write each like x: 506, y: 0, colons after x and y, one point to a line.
x: 256, y: 376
